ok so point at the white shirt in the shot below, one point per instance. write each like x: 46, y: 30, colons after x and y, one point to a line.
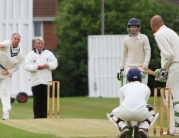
x: 10, y: 58
x: 134, y: 95
x: 168, y: 43
x: 136, y: 52
x: 33, y: 59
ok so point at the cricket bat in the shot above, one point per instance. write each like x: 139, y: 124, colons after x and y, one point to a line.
x: 148, y: 71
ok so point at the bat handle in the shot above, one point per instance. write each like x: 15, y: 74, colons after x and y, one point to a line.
x: 122, y: 81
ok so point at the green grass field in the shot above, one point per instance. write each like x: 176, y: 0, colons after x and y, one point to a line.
x: 86, y: 114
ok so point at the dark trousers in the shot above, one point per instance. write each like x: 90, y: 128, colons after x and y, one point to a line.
x: 40, y: 101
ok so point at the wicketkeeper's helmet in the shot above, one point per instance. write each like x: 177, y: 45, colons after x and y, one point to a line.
x: 134, y: 74
x: 133, y: 22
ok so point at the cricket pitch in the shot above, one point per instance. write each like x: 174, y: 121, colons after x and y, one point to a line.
x: 63, y: 127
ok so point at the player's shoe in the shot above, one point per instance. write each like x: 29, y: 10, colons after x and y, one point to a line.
x: 176, y: 131
x: 124, y: 132
x: 111, y: 120
x: 136, y: 132
x: 129, y: 135
x: 175, y: 134
x: 171, y: 134
x: 153, y: 121
x: 143, y: 133
x: 6, y: 116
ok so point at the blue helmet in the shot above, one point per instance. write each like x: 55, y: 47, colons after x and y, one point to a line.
x: 133, y: 22
x: 134, y: 74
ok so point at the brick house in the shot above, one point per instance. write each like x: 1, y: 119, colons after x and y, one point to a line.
x: 44, y: 12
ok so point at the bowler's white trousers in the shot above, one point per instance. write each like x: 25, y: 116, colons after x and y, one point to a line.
x: 5, y: 90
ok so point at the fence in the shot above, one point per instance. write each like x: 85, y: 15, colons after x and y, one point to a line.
x: 104, y: 54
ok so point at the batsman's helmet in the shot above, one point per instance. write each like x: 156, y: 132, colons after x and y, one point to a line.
x: 134, y: 74
x: 133, y: 22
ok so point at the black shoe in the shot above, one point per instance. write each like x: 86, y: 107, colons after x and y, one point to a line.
x: 124, y: 132
x: 129, y: 135
x: 143, y: 133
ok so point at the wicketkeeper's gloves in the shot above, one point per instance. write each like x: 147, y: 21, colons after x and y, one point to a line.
x: 120, y: 74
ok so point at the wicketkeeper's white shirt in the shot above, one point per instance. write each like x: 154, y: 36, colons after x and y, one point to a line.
x: 134, y: 95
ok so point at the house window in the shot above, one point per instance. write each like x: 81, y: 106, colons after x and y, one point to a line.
x: 38, y: 31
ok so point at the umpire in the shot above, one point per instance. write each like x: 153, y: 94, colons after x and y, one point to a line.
x: 40, y: 63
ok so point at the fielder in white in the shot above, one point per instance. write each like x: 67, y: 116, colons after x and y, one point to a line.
x: 168, y: 43
x: 11, y: 57
x: 136, y: 50
x: 133, y: 106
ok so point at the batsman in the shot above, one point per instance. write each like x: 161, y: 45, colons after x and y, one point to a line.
x: 168, y: 43
x: 133, y: 107
x: 136, y: 50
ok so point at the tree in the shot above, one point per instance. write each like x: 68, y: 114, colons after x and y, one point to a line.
x: 80, y: 18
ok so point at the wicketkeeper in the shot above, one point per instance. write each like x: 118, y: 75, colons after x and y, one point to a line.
x: 133, y: 106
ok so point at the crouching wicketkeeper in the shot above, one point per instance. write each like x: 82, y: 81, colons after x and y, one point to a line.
x: 133, y: 106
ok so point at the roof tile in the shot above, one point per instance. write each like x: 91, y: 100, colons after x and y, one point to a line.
x: 45, y: 8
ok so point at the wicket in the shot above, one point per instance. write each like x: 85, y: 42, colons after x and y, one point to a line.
x: 168, y: 95
x: 55, y: 87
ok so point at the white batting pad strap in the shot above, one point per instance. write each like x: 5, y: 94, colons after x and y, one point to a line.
x: 122, y: 125
x: 154, y: 120
x: 111, y: 120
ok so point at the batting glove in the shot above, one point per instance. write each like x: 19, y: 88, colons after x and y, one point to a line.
x: 143, y: 75
x: 162, y: 75
x: 120, y: 74
x: 157, y: 71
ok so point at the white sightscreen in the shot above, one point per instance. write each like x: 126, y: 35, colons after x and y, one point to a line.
x: 104, y: 55
x: 16, y: 17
